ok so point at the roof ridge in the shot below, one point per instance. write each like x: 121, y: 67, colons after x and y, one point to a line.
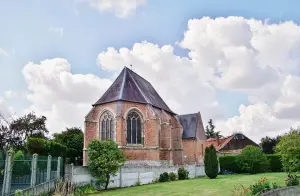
x: 123, y: 84
x: 139, y: 88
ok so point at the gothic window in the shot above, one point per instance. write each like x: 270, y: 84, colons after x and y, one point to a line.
x: 134, y: 128
x: 107, y: 126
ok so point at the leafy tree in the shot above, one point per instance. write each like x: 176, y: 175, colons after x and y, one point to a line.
x: 14, y: 132
x: 268, y: 144
x: 289, y: 150
x: 252, y: 160
x: 210, y: 131
x: 105, y: 158
x: 21, y: 166
x: 211, y: 162
x: 44, y: 147
x: 72, y: 138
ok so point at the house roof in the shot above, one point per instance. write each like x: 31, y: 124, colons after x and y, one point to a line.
x: 214, y: 142
x: 223, y: 141
x: 129, y: 86
x: 189, y: 125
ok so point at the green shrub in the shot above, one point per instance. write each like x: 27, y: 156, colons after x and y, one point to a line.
x: 164, y: 177
x: 44, y: 147
x: 228, y: 163
x: 173, y: 176
x: 21, y: 166
x: 211, y: 162
x: 292, y: 180
x: 275, y: 164
x: 84, y: 190
x: 56, y: 149
x: 183, y: 174
x: 263, y: 185
x: 252, y: 160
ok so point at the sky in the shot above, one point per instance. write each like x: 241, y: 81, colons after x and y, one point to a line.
x: 236, y: 62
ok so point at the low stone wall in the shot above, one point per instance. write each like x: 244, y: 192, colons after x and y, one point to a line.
x: 129, y: 176
x: 286, y: 191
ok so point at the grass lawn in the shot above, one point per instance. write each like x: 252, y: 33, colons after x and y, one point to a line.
x: 199, y: 186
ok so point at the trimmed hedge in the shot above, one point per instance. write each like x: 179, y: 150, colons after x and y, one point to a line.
x: 44, y: 147
x: 228, y: 163
x: 275, y: 164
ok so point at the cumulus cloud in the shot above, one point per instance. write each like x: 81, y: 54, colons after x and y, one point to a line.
x: 121, y: 8
x: 57, y: 30
x: 63, y: 97
x: 232, y: 54
x: 3, y: 52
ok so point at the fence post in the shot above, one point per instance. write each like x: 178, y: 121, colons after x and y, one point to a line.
x: 33, y: 172
x: 58, y: 168
x: 7, y: 173
x: 48, y: 171
x: 120, y: 177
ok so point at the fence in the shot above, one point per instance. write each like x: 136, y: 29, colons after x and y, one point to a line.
x: 129, y: 176
x: 29, y: 174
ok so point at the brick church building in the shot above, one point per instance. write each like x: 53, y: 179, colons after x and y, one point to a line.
x: 133, y: 114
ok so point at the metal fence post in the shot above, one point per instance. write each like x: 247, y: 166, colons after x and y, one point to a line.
x: 33, y: 172
x: 8, y: 173
x: 58, y: 168
x: 49, y: 171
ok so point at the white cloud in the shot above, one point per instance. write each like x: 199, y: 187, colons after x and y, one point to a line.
x: 10, y: 94
x: 121, y: 8
x: 64, y: 98
x: 3, y: 52
x: 5, y: 109
x: 232, y: 54
x: 57, y: 30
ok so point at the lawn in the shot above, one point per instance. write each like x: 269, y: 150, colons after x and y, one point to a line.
x: 199, y: 186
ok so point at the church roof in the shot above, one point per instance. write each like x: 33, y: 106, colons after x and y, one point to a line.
x: 189, y: 125
x: 129, y: 86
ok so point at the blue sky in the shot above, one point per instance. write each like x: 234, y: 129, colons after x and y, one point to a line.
x: 30, y: 32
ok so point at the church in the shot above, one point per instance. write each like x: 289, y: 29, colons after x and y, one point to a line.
x: 132, y: 114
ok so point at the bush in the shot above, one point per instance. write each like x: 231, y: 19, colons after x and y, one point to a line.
x: 211, y: 162
x: 173, y: 176
x: 183, y: 174
x: 252, y: 160
x: 56, y: 149
x: 44, y: 147
x: 84, y: 190
x: 263, y: 185
x: 275, y: 164
x: 164, y: 177
x: 292, y: 180
x: 21, y: 166
x: 228, y: 164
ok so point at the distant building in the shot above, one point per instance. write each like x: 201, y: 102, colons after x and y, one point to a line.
x: 231, y: 145
x: 132, y: 114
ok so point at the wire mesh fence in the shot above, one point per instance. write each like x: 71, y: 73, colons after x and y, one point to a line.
x: 29, y: 173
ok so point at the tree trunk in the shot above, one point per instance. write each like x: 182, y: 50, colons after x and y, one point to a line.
x: 107, y: 181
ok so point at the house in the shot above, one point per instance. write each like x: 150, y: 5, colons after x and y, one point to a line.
x: 231, y: 145
x: 133, y: 114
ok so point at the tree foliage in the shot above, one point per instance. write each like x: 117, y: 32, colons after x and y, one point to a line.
x: 105, y: 158
x: 211, y: 162
x: 14, y: 132
x: 289, y: 150
x: 44, y: 147
x: 72, y: 138
x: 253, y: 160
x: 210, y: 131
x: 21, y: 166
x: 268, y: 144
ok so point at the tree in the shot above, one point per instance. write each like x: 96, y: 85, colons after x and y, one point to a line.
x: 72, y: 138
x: 252, y: 160
x: 211, y: 162
x: 289, y: 150
x: 268, y: 144
x: 210, y: 131
x: 105, y: 158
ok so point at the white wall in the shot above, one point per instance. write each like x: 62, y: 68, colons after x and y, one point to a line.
x: 128, y: 176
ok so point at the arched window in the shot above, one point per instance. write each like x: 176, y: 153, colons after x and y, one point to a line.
x: 107, y: 126
x: 134, y: 128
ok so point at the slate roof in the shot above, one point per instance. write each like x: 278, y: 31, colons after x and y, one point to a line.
x: 189, y: 125
x: 129, y: 86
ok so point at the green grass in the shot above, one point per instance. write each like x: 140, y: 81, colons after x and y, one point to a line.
x: 223, y: 185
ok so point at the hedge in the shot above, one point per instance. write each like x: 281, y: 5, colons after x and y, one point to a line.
x: 44, y: 147
x: 229, y: 163
x: 275, y: 164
